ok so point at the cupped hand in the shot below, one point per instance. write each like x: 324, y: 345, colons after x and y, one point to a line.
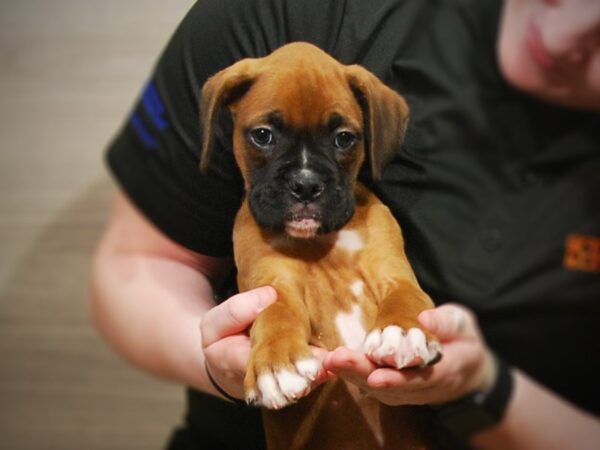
x: 466, y: 365
x: 226, y: 343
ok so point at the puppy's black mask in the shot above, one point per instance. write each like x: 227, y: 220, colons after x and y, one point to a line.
x: 300, y: 181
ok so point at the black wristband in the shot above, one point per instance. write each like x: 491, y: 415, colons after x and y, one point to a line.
x: 479, y: 410
x: 220, y: 389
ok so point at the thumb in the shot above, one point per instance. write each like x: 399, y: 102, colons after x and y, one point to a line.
x: 449, y: 322
x: 235, y: 314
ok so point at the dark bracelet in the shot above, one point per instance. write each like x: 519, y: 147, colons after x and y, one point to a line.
x: 479, y: 410
x: 237, y: 401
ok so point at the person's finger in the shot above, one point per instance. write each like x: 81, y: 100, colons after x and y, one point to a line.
x: 230, y: 353
x: 449, y: 322
x: 386, y: 377
x: 343, y: 361
x: 235, y: 314
x: 324, y: 374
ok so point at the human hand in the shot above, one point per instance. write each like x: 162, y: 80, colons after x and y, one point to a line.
x: 226, y: 344
x: 466, y: 365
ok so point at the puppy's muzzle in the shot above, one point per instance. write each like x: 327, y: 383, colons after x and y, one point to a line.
x: 304, y: 218
x: 305, y: 186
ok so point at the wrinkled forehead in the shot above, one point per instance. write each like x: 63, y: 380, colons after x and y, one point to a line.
x: 305, y: 96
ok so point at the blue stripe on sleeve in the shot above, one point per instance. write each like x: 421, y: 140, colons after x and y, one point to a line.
x: 142, y: 132
x: 154, y: 106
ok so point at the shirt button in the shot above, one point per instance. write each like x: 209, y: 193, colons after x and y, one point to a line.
x: 491, y: 239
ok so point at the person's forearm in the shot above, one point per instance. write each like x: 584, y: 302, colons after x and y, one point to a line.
x: 538, y: 419
x: 149, y: 308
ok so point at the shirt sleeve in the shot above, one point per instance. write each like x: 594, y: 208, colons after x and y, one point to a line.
x: 155, y: 156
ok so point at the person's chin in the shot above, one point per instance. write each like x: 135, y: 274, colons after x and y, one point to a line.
x: 517, y: 70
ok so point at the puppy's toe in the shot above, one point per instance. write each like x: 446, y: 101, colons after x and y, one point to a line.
x: 434, y: 349
x: 270, y: 393
x: 277, y: 388
x: 400, y: 349
x: 291, y: 384
x: 372, y: 342
x: 390, y: 344
x: 308, y: 368
x: 251, y: 397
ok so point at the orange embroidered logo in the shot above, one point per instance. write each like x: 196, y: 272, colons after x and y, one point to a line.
x: 582, y: 253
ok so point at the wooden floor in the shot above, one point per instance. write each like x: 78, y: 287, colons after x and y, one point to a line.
x: 69, y: 72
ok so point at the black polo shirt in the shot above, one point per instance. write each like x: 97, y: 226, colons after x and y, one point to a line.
x: 498, y: 195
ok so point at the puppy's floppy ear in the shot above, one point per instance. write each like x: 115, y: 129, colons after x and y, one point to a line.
x: 385, y: 114
x: 219, y: 91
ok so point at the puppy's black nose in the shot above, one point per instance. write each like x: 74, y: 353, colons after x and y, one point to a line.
x: 305, y: 186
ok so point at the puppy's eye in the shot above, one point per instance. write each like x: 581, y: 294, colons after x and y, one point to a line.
x: 262, y: 137
x: 344, y: 140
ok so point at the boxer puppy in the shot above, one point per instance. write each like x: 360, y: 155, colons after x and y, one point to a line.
x: 303, y: 126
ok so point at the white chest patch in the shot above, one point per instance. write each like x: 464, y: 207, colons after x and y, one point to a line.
x: 350, y: 328
x: 357, y: 288
x: 350, y: 241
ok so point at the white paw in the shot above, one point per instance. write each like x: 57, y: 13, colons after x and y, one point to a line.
x: 308, y: 368
x: 281, y: 388
x: 395, y: 347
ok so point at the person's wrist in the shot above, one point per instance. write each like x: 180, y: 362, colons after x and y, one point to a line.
x: 219, y: 389
x: 483, y: 407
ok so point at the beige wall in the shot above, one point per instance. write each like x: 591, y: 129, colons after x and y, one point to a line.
x: 69, y: 72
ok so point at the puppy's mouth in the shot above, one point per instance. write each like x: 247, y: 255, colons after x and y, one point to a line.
x: 304, y: 221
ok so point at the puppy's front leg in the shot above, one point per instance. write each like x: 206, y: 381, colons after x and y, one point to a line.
x: 281, y: 367
x: 398, y: 340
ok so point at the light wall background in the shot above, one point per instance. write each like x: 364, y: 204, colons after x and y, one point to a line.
x: 69, y: 72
